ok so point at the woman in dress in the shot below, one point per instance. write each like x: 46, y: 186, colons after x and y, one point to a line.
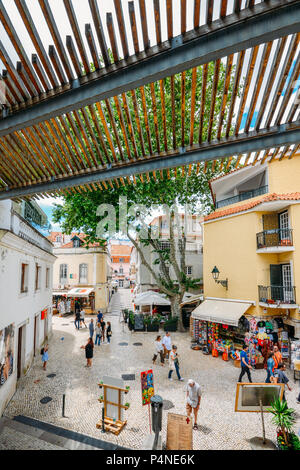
x: 158, y: 350
x: 89, y: 352
x: 45, y: 356
x: 108, y: 331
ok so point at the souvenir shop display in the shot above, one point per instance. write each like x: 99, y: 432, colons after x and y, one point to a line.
x: 295, y: 355
x: 284, y: 342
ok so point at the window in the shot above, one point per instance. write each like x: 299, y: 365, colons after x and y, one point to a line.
x: 76, y: 243
x: 58, y: 239
x: 37, y: 277
x: 24, y: 278
x: 63, y: 273
x: 121, y: 260
x: 164, y: 245
x: 188, y: 270
x: 121, y: 270
x: 83, y: 273
x: 47, y: 278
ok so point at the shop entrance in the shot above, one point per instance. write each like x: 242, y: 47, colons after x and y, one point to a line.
x: 20, y: 351
x: 35, y: 336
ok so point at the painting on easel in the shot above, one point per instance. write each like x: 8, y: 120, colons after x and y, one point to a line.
x: 113, y: 400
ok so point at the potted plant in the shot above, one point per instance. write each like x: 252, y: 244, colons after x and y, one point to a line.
x: 127, y: 389
x: 100, y: 384
x: 131, y: 320
x: 284, y: 419
x: 171, y: 324
x: 147, y: 321
x: 101, y: 399
x: 154, y: 323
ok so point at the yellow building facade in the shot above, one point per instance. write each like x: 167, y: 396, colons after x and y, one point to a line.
x: 253, y: 238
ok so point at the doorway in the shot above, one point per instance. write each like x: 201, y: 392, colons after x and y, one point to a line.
x: 20, y: 351
x: 35, y: 336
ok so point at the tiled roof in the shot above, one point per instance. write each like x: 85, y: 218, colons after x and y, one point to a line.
x: 250, y: 205
x: 116, y: 250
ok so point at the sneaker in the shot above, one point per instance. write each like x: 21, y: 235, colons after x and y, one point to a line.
x: 171, y: 379
x: 182, y: 379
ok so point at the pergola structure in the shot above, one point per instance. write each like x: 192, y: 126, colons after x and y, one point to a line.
x: 88, y: 115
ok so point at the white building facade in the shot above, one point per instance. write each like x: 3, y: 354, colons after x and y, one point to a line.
x: 26, y: 266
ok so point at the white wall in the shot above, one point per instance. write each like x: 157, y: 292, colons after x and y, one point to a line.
x: 21, y: 308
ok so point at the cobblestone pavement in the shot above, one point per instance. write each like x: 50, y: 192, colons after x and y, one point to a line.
x: 219, y: 426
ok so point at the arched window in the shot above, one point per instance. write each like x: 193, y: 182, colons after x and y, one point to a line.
x: 83, y: 273
x: 63, y: 274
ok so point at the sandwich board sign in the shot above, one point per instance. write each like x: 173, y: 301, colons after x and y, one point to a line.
x: 179, y: 433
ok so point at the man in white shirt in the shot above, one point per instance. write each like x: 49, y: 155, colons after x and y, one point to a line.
x: 193, y: 398
x: 167, y: 344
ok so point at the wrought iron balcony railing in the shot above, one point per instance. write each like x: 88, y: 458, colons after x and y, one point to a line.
x: 274, y: 238
x: 242, y: 197
x: 277, y: 294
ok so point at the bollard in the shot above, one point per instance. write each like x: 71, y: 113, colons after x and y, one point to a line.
x: 157, y: 407
x: 103, y: 424
x: 63, y: 405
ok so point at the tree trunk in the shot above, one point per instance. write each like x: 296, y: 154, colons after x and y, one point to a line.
x: 176, y: 311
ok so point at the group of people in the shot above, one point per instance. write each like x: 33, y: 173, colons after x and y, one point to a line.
x: 101, y: 330
x: 165, y: 349
x: 275, y: 368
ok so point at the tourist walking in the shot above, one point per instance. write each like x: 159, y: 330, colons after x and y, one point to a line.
x: 98, y: 331
x: 281, y: 378
x: 89, y: 352
x: 158, y: 350
x: 270, y: 368
x: 277, y: 356
x: 174, y: 363
x: 108, y: 331
x: 167, y: 344
x: 193, y: 398
x: 99, y: 316
x: 82, y: 317
x: 45, y: 356
x: 102, y: 324
x: 92, y: 328
x: 245, y: 366
x: 77, y: 319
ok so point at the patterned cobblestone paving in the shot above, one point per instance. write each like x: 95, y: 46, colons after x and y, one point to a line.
x: 15, y: 440
x: 219, y: 426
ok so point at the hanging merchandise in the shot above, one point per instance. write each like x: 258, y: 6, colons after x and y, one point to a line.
x: 284, y: 344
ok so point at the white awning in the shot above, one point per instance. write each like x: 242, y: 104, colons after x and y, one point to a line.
x: 80, y: 292
x: 221, y: 311
x: 192, y: 299
x: 59, y: 292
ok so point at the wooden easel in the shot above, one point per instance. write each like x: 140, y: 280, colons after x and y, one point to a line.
x: 114, y: 426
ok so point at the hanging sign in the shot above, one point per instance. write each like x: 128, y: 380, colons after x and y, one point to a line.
x: 147, y: 386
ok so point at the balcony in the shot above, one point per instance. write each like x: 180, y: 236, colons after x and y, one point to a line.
x: 275, y: 241
x: 242, y: 197
x: 277, y: 296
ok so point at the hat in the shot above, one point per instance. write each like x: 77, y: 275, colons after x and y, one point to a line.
x: 191, y: 382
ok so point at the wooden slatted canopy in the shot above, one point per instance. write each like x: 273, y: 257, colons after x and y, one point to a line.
x: 118, y: 100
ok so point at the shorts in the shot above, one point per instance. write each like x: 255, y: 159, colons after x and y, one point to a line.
x: 189, y: 408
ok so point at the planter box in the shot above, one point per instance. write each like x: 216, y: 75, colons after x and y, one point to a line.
x: 172, y: 327
x: 153, y: 328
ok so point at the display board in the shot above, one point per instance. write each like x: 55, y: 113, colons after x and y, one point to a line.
x: 249, y: 396
x: 147, y: 384
x: 114, y: 396
x: 179, y: 433
x: 6, y: 353
x: 138, y: 322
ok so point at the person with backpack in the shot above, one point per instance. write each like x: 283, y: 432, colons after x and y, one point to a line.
x: 45, y: 356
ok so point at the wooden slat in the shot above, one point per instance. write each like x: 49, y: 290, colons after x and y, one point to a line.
x: 133, y: 26
x: 26, y: 80
x: 237, y: 6
x: 57, y: 65
x: 238, y: 72
x: 156, y: 7
x: 223, y: 8
x: 4, y: 57
x: 143, y: 15
x: 249, y: 75
x: 90, y: 132
x: 112, y: 36
x: 163, y: 112
x: 16, y: 162
x: 42, y: 150
x: 173, y: 105
x: 35, y: 38
x: 183, y: 16
x: 84, y: 134
x: 23, y: 156
x: 193, y: 104
x: 61, y: 153
x: 183, y: 74
x: 113, y: 123
x: 225, y: 94
x: 45, y: 7
x: 99, y: 31
x: 99, y: 132
x: 72, y: 141
x: 122, y: 29
x: 29, y: 145
x: 209, y: 11
x: 196, y: 13
x: 76, y: 31
x: 203, y: 94
x: 10, y: 86
x: 92, y: 46
x: 155, y: 118
x: 51, y: 144
x: 129, y: 124
x: 45, y: 143
x: 63, y: 139
x: 258, y: 83
x: 106, y: 130
x: 146, y: 121
x: 73, y: 55
x: 40, y: 72
x: 77, y: 136
x: 288, y: 93
x: 169, y: 6
x: 213, y: 99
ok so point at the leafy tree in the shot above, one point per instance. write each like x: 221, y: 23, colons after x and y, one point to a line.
x: 175, y: 187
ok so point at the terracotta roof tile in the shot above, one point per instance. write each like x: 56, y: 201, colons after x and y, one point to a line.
x: 250, y: 205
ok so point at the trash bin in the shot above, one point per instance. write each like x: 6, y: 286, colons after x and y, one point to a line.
x: 156, y: 409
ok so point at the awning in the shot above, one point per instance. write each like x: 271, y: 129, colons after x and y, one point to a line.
x: 192, y: 299
x: 59, y: 292
x: 221, y: 311
x: 80, y: 292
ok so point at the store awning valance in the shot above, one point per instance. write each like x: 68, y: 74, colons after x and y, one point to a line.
x: 59, y: 292
x: 80, y: 292
x: 221, y: 311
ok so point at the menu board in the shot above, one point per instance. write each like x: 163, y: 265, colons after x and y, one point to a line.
x: 139, y: 322
x: 179, y: 433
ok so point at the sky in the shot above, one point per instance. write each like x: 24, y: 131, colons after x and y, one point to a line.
x: 84, y: 16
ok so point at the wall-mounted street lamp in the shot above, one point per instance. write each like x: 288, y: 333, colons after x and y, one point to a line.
x: 215, y: 274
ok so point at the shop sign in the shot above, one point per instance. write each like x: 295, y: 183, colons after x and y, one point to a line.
x: 147, y: 386
x: 44, y: 314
